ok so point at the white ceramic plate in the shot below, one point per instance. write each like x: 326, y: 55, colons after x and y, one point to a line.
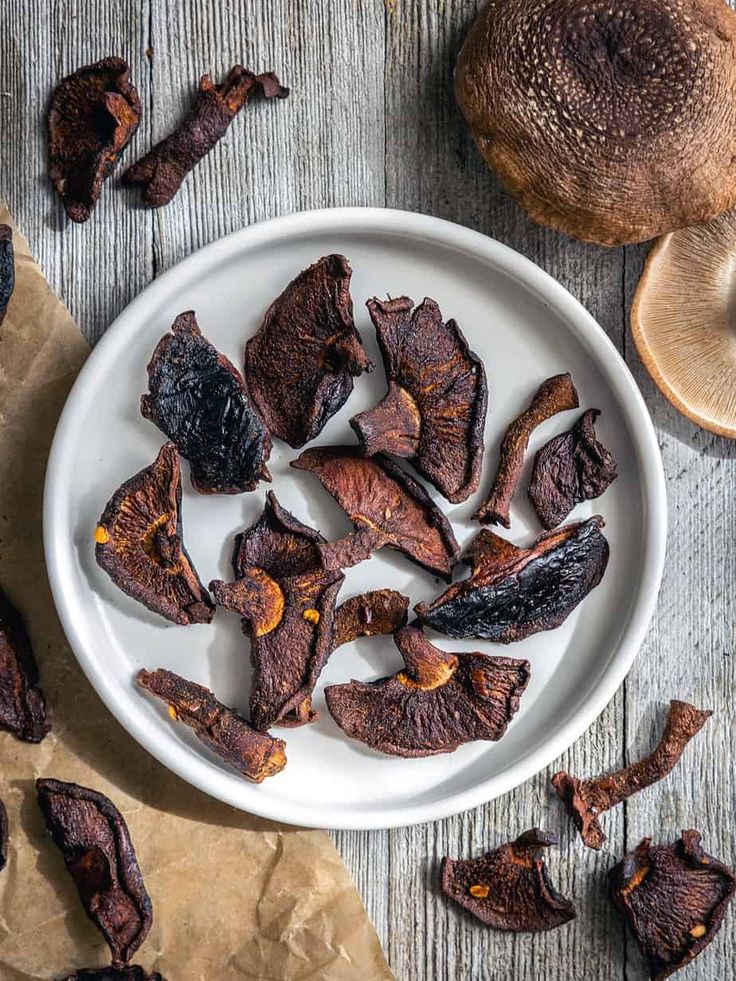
x: 525, y: 327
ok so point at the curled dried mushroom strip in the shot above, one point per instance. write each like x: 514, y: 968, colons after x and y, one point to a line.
x: 381, y: 611
x: 4, y: 836
x: 509, y: 888
x: 7, y: 268
x: 673, y: 898
x: 22, y: 705
x: 130, y: 972
x: 586, y: 800
x: 254, y: 754
x: 435, y: 408
x: 437, y: 703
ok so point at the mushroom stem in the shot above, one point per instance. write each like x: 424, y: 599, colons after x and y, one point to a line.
x: 392, y: 426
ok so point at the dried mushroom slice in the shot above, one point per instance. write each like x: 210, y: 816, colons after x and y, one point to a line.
x: 161, y: 172
x: 139, y: 544
x: 300, y: 365
x: 381, y: 611
x: 130, y: 972
x: 435, y: 410
x: 93, y: 837
x: 509, y: 888
x: 673, y: 898
x: 556, y: 394
x: 514, y: 592
x: 22, y: 705
x: 7, y: 268
x: 570, y: 468
x: 586, y: 800
x: 437, y: 703
x: 254, y: 754
x: 93, y: 115
x: 198, y: 399
x: 4, y: 836
x: 287, y: 602
x: 386, y: 507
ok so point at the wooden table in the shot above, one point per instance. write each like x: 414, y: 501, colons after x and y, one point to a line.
x: 371, y: 121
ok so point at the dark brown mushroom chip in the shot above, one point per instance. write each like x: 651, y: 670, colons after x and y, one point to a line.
x: 254, y: 754
x: 300, y: 365
x: 436, y: 704
x: 199, y: 400
x: 570, y: 468
x: 130, y: 972
x: 435, y: 410
x: 7, y: 268
x: 287, y: 601
x: 386, y: 507
x: 673, y: 898
x: 586, y: 800
x: 514, y: 592
x: 509, y: 888
x: 99, y: 855
x: 139, y: 543
x: 556, y: 394
x: 93, y: 114
x: 381, y: 611
x: 163, y: 169
x: 22, y: 705
x: 4, y: 836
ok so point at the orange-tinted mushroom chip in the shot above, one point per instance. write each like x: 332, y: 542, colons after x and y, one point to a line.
x: 254, y: 754
x: 287, y: 601
x: 437, y: 703
x: 22, y: 705
x: 139, y: 543
x: 509, y: 888
x: 673, y: 898
x: 514, y: 592
x: 300, y: 365
x: 435, y: 409
x: 382, y: 611
x: 386, y: 507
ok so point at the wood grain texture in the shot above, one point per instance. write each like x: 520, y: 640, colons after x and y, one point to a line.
x: 371, y: 121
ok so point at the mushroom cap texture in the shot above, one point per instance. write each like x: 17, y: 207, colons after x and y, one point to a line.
x: 613, y: 123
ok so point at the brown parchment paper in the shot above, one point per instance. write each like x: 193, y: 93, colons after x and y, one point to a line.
x: 234, y: 896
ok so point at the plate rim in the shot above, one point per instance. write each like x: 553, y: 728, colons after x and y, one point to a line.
x: 198, y: 772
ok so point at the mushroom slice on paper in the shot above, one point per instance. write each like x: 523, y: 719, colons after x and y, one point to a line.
x: 386, y: 507
x: 509, y: 888
x: 437, y: 703
x: 435, y: 409
x: 22, y: 704
x: 586, y: 800
x: 673, y: 898
x: 4, y: 836
x: 514, y: 592
x: 131, y: 972
x: 7, y: 268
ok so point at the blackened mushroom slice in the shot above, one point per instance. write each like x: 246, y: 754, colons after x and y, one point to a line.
x: 437, y: 703
x: 556, y: 394
x: 131, y: 972
x: 586, y: 800
x: 514, y: 592
x: 673, y: 898
x: 22, y: 705
x: 93, y: 114
x: 254, y: 754
x: 7, y: 269
x: 4, y: 836
x: 570, y: 468
x: 198, y: 399
x: 287, y: 603
x: 386, y: 507
x: 509, y: 888
x: 300, y: 365
x: 139, y: 544
x: 381, y: 611
x: 435, y: 409
x: 93, y: 837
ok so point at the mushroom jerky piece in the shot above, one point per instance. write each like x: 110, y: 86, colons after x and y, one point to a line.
x: 437, y: 703
x: 386, y: 507
x: 673, y: 898
x: 381, y: 611
x: 22, y: 705
x: 163, y: 169
x: 556, y: 394
x: 199, y: 400
x: 92, y: 117
x: 139, y: 543
x: 586, y: 800
x: 287, y: 602
x: 7, y: 268
x: 4, y: 836
x: 130, y: 972
x: 514, y: 592
x: 300, y: 365
x: 570, y: 468
x: 254, y: 754
x: 94, y: 840
x: 435, y: 410
x: 509, y: 888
